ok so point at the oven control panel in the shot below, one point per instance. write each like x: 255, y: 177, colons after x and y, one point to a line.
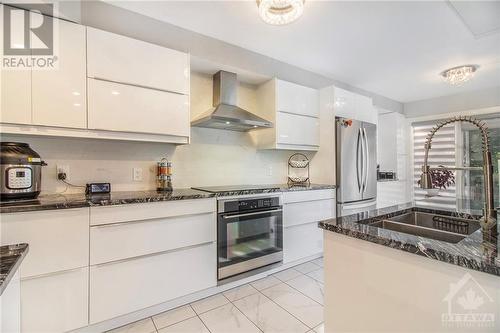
x: 19, y: 178
x: 251, y: 204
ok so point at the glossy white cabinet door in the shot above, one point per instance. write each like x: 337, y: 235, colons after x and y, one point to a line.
x: 292, y: 129
x: 15, y: 91
x: 127, y: 60
x: 302, y: 241
x: 293, y: 98
x: 59, y: 96
x: 149, y: 236
x: 125, y: 108
x: 10, y: 306
x: 344, y: 104
x: 309, y: 211
x: 304, y: 196
x: 152, y: 210
x: 365, y: 110
x: 58, y: 239
x: 55, y: 303
x: 127, y: 286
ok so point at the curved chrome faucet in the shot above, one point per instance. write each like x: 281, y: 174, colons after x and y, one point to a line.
x: 489, y: 219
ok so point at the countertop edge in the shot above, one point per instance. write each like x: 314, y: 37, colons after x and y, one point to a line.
x: 13, y: 269
x: 430, y: 253
x: 73, y: 201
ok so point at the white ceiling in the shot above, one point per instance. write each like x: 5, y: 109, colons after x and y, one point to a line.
x: 394, y: 49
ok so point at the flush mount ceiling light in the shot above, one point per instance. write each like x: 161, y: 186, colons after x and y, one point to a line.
x: 459, y: 75
x: 280, y: 12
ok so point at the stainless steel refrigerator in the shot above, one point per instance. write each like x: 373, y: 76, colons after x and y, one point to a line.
x: 356, y: 166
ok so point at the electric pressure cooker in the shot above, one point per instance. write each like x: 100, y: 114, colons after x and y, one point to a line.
x: 21, y: 171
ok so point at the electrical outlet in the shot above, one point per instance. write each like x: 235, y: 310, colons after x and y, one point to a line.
x: 137, y: 174
x: 62, y: 169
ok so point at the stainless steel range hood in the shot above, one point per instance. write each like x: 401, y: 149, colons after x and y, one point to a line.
x: 226, y: 114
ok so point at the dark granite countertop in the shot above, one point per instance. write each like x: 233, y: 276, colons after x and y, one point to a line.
x: 475, y: 251
x: 64, y: 201
x: 11, y: 257
x: 223, y: 191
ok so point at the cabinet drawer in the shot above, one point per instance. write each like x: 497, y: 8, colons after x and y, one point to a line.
x: 302, y: 241
x: 58, y: 239
x: 309, y: 211
x: 150, y: 236
x: 124, y: 108
x: 127, y: 60
x: 153, y: 210
x: 127, y: 286
x: 299, y: 196
x: 55, y: 303
x: 298, y: 130
x: 291, y: 97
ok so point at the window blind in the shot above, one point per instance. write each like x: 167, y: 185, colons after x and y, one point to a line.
x: 443, y: 152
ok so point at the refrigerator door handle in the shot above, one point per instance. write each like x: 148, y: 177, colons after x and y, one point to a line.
x: 366, y: 160
x: 358, y: 171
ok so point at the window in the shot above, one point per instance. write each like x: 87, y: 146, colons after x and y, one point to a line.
x: 457, y: 145
x: 441, y: 153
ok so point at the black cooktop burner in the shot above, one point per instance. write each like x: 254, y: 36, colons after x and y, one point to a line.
x: 232, y: 188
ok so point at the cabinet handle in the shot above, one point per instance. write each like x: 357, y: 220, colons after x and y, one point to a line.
x: 250, y: 214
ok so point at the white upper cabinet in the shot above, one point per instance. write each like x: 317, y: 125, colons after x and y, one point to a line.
x: 121, y: 59
x: 120, y: 107
x: 293, y: 98
x: 294, y: 110
x: 50, y: 97
x: 15, y: 90
x: 350, y: 105
x: 297, y: 130
x: 137, y: 87
x: 344, y: 103
x: 59, y: 96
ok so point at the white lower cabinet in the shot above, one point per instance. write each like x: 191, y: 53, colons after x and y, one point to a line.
x: 149, y: 236
x: 58, y: 239
x: 302, y: 241
x: 301, y: 213
x: 126, y: 286
x: 309, y: 211
x: 10, y: 306
x: 55, y: 303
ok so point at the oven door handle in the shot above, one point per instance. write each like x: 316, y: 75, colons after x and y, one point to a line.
x: 250, y: 214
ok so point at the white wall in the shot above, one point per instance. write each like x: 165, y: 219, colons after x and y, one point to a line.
x: 454, y: 103
x: 215, y: 157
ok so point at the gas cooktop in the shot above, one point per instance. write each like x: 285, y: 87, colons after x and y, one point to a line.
x: 236, y: 188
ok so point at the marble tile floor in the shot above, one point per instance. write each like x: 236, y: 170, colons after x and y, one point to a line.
x: 290, y: 301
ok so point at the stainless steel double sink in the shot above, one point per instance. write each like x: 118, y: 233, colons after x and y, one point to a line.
x: 434, y: 226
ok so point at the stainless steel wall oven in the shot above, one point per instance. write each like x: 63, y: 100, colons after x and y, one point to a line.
x: 250, y: 234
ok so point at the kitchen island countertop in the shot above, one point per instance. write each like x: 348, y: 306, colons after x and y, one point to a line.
x: 474, y: 251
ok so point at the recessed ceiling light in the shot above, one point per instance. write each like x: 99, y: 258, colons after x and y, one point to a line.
x: 227, y: 123
x: 280, y: 12
x: 459, y: 75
